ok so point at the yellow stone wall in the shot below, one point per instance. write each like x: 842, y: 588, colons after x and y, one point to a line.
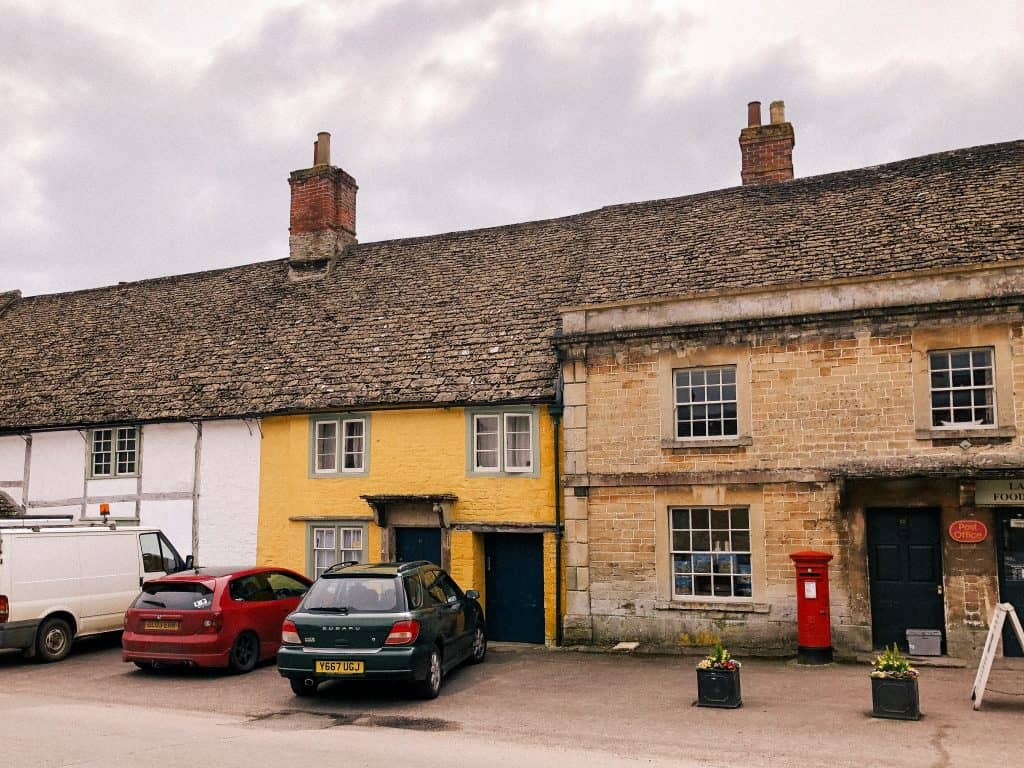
x: 419, y: 451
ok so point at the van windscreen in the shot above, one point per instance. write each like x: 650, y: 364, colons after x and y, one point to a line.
x: 180, y: 596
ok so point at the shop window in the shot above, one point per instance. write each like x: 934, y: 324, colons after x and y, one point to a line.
x: 710, y: 552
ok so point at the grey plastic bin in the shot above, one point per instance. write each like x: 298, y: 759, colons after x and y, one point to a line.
x: 924, y: 642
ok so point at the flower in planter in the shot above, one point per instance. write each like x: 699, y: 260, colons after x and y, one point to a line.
x: 893, y: 664
x: 719, y: 658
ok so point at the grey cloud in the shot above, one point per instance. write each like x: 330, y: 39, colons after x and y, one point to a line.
x: 156, y: 172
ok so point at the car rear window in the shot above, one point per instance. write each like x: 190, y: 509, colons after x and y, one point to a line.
x: 183, y: 596
x: 363, y: 594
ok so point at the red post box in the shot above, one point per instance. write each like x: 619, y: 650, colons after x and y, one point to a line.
x: 814, y: 620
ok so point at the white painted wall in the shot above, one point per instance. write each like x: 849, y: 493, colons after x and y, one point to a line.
x: 228, y: 488
x: 168, y: 456
x: 229, y: 478
x: 58, y: 466
x: 12, y: 461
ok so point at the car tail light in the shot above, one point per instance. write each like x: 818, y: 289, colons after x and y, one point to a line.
x: 290, y: 634
x: 5, y: 609
x: 212, y: 623
x: 403, y: 633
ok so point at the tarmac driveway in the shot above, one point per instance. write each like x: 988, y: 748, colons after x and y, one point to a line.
x: 624, y: 705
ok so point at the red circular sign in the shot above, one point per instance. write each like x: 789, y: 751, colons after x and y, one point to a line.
x: 968, y: 531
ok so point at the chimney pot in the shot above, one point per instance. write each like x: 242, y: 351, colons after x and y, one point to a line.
x: 753, y: 114
x: 322, y: 149
x: 778, y: 112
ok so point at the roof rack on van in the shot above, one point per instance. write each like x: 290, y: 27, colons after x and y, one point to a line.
x: 35, y: 522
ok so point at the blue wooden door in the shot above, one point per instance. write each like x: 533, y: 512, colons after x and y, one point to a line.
x: 515, y: 587
x: 1011, y: 572
x: 418, y: 544
x: 905, y: 560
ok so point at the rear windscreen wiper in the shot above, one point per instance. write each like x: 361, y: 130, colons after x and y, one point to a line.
x: 328, y: 609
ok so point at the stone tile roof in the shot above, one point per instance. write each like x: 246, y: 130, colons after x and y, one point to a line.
x: 458, y: 318
x: 468, y: 317
x: 941, y: 210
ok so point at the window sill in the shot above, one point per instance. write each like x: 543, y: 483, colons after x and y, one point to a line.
x: 722, y: 606
x: 979, y: 433
x: 711, y: 442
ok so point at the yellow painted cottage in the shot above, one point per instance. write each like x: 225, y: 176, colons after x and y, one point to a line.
x: 423, y: 423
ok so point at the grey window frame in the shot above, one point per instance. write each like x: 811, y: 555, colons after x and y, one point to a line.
x: 711, y: 552
x: 721, y: 402
x: 338, y: 525
x: 340, y: 441
x: 502, y: 414
x: 972, y: 388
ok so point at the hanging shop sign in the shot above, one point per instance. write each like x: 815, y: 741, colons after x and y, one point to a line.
x: 1010, y: 491
x: 968, y: 531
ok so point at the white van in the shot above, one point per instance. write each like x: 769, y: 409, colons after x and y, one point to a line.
x: 62, y: 582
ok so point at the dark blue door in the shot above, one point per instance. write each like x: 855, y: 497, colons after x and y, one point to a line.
x: 1011, y: 573
x: 418, y: 544
x: 515, y: 587
x: 905, y: 563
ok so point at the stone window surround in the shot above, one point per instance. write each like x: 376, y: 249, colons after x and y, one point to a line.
x: 672, y: 360
x: 713, y: 496
x: 339, y: 419
x: 996, y: 337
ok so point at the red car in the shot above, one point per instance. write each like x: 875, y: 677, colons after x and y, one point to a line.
x: 211, y: 617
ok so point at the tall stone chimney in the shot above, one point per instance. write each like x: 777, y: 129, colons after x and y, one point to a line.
x: 767, y: 150
x: 323, y: 211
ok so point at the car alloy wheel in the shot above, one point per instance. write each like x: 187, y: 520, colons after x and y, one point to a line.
x: 479, y: 645
x: 430, y: 686
x: 244, y: 653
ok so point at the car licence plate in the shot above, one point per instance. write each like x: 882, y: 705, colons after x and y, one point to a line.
x: 339, y: 667
x: 167, y: 626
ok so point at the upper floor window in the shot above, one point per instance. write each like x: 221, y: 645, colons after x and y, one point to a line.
x: 339, y: 445
x: 113, y: 451
x: 962, y: 388
x: 503, y: 442
x: 705, y: 402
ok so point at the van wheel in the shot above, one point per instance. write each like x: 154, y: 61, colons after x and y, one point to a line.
x: 430, y: 686
x: 53, y: 640
x: 244, y: 653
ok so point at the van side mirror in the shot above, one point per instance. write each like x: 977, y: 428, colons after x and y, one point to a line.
x: 189, y: 563
x: 472, y: 594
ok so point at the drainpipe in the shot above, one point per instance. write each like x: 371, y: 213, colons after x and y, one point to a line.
x: 556, y: 419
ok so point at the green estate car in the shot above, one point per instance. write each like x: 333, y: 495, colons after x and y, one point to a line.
x: 384, y: 621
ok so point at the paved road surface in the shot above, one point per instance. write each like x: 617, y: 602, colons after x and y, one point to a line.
x: 521, y: 707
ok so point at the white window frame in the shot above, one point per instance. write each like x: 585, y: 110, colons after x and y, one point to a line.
x: 506, y: 449
x: 477, y: 466
x: 114, y: 452
x: 711, y: 552
x: 316, y: 447
x: 345, y: 453
x: 972, y: 388
x: 504, y: 466
x: 721, y: 402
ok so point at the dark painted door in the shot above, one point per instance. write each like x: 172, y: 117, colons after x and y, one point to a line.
x: 905, y: 565
x: 515, y: 587
x: 1011, y: 572
x: 418, y: 544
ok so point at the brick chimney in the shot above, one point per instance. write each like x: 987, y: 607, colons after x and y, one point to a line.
x: 323, y: 211
x: 767, y: 150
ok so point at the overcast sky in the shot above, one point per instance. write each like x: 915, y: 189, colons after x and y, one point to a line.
x: 145, y: 139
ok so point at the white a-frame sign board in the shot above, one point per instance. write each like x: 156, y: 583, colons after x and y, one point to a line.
x: 995, y: 632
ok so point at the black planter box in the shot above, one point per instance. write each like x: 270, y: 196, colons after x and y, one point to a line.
x: 895, y: 698
x: 718, y: 688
